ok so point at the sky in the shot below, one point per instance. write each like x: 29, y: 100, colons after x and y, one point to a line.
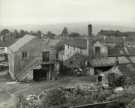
x: 22, y: 12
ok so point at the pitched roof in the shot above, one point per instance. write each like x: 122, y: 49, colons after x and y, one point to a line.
x: 111, y: 39
x: 98, y: 62
x: 21, y: 42
x: 121, y: 51
x: 76, y: 60
x: 116, y: 45
x: 49, y: 43
x: 53, y: 42
x: 78, y: 43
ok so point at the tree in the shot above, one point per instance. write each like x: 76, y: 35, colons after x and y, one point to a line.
x: 64, y: 32
x: 16, y: 34
x: 116, y: 80
x: 50, y: 34
x: 55, y: 97
x: 39, y: 33
x: 22, y: 33
x: 4, y: 32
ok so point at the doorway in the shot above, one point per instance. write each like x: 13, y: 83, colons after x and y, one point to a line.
x: 39, y: 74
x: 97, y: 51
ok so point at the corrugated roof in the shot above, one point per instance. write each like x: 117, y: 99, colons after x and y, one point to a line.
x: 21, y: 42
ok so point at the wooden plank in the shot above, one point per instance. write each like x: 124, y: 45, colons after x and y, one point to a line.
x: 96, y: 105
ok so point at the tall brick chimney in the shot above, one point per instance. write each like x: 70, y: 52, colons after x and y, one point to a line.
x: 90, y: 30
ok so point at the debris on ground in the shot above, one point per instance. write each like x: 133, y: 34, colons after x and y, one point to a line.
x: 12, y: 82
x: 118, y: 89
x: 65, y: 96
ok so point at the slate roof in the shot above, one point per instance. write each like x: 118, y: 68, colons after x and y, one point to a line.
x: 120, y: 51
x: 78, y: 43
x: 98, y: 62
x: 21, y: 42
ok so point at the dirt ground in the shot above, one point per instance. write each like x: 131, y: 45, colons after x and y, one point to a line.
x: 10, y: 90
x: 32, y: 87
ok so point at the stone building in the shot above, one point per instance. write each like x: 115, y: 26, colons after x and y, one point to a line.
x: 49, y: 66
x: 21, y: 54
x: 50, y: 63
x: 100, y: 50
x: 74, y: 46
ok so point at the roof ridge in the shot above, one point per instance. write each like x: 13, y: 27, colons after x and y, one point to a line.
x: 21, y: 42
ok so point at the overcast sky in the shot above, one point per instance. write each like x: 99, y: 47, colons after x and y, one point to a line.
x: 16, y: 12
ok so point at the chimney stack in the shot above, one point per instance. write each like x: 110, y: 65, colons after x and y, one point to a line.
x: 90, y: 30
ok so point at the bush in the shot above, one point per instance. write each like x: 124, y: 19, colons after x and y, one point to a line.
x: 65, y: 97
x: 115, y: 80
x: 55, y: 97
x: 131, y: 104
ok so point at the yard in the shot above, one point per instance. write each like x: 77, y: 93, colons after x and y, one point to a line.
x: 18, y: 88
x: 36, y: 88
x: 8, y: 87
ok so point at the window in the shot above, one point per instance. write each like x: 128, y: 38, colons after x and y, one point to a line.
x: 100, y: 78
x: 24, y: 55
x: 45, y: 56
x: 57, y: 55
x: 71, y: 62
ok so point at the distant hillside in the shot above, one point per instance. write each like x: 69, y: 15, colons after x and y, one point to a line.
x: 72, y: 27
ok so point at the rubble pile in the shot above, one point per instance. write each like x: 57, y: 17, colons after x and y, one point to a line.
x: 80, y: 94
x: 131, y: 104
x: 31, y: 101
x: 64, y: 97
x: 76, y: 61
